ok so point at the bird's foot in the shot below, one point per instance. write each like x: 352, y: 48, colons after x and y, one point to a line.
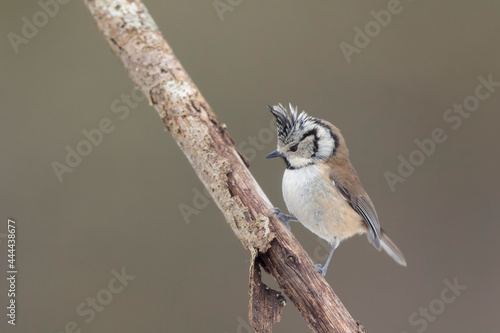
x: 321, y: 268
x: 283, y: 217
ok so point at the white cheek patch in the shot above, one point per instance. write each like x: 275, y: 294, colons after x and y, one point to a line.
x: 326, y: 143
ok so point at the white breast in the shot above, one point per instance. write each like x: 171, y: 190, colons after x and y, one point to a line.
x: 313, y: 199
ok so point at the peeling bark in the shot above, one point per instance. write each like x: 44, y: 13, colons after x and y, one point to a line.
x: 266, y: 304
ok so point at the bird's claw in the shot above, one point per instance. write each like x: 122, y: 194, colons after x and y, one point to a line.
x: 283, y: 217
x: 321, y: 268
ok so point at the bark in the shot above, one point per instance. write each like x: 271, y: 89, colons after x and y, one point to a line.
x: 133, y: 35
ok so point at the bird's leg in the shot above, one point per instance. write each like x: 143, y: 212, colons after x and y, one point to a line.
x: 284, y: 217
x: 322, y: 268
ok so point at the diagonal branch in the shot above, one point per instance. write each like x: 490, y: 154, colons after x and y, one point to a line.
x: 133, y: 35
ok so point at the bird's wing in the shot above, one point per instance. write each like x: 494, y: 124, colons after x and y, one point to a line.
x: 364, y: 207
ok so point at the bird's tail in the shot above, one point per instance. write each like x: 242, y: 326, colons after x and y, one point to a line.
x: 391, y: 249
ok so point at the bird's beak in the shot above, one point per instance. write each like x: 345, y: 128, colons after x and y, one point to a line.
x: 274, y: 154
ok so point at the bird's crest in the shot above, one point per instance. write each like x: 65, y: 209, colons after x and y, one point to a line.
x: 288, y: 122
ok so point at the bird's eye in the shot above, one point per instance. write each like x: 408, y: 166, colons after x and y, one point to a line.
x: 294, y: 147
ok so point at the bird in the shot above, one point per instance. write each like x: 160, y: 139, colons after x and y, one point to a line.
x: 321, y: 188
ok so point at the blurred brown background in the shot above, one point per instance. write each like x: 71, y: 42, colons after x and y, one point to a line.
x: 121, y: 206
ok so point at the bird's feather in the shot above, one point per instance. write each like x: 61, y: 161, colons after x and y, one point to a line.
x: 364, y: 207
